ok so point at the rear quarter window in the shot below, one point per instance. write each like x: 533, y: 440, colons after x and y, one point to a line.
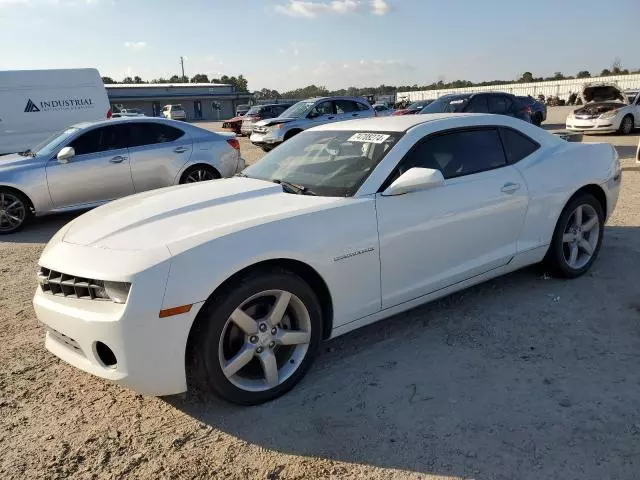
x: 517, y: 145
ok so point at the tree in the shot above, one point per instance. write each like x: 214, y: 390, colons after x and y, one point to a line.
x: 583, y: 74
x: 175, y: 79
x: 527, y: 77
x: 616, y: 66
x: 107, y: 80
x: 242, y: 84
x: 200, y: 78
x: 605, y: 72
x: 138, y: 80
x: 558, y: 76
x: 127, y: 80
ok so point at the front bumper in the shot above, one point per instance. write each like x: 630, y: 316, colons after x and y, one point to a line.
x: 269, y: 138
x: 595, y: 125
x: 149, y: 351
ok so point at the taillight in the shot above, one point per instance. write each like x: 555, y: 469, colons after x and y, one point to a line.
x: 235, y: 144
x: 109, y: 114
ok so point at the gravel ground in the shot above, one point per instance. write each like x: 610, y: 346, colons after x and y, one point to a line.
x: 522, y: 377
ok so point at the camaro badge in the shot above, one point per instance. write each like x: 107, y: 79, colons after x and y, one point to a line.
x: 353, y: 254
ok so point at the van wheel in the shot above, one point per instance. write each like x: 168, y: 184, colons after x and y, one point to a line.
x: 15, y: 211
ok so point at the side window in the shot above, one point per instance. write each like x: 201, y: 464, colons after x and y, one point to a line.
x: 498, y: 104
x: 516, y: 145
x: 153, y: 133
x: 345, y: 106
x: 101, y: 139
x: 324, y: 108
x: 459, y: 153
x: 478, y: 104
x: 278, y: 110
x: 362, y: 107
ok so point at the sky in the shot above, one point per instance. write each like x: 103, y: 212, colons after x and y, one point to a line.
x: 284, y: 44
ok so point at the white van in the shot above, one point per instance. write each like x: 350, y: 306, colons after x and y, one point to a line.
x: 35, y: 104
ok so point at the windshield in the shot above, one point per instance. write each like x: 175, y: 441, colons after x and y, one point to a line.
x: 176, y: 107
x: 332, y: 164
x: 449, y: 104
x: 298, y: 110
x: 419, y: 105
x: 254, y: 111
x: 49, y: 146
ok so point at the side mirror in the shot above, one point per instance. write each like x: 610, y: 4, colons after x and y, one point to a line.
x: 66, y: 154
x: 414, y: 179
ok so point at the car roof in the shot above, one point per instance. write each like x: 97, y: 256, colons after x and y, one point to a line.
x: 112, y: 121
x: 337, y: 97
x: 401, y: 123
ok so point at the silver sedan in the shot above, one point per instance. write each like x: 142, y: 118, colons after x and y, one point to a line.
x: 89, y: 164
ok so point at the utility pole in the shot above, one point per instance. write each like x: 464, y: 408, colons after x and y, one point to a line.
x: 182, y: 65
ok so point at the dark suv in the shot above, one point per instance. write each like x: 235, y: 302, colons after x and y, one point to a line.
x: 261, y: 112
x: 490, y: 102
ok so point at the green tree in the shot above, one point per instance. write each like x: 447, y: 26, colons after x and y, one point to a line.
x: 558, y: 76
x: 138, y: 80
x: 605, y: 72
x: 527, y: 77
x: 127, y: 80
x: 107, y: 80
x: 583, y: 74
x: 200, y: 78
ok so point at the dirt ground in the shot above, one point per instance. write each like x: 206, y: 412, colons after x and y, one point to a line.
x: 522, y: 377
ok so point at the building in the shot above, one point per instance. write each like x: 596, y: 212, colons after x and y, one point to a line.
x: 201, y: 101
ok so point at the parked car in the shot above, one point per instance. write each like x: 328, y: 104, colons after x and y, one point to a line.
x: 35, y: 104
x: 490, y: 102
x: 268, y: 134
x: 261, y: 112
x: 174, y: 112
x: 538, y: 109
x: 241, y: 110
x: 233, y: 125
x: 382, y: 110
x: 414, y: 108
x: 344, y: 225
x: 92, y: 163
x: 605, y: 111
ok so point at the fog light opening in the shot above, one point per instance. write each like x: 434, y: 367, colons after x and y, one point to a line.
x: 106, y: 355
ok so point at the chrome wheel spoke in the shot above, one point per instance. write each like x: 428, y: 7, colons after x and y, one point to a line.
x: 269, y: 367
x: 568, y: 237
x: 247, y: 324
x: 241, y: 359
x: 288, y: 337
x: 573, y: 255
x: 578, y: 216
x: 279, y: 309
x: 586, y: 247
x: 13, y: 205
x: 590, y: 224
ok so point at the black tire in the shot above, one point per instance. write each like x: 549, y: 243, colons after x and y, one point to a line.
x: 267, y: 148
x: 626, y: 125
x: 211, y: 173
x: 555, y: 260
x: 537, y: 119
x: 291, y: 134
x: 8, y: 198
x: 210, y: 326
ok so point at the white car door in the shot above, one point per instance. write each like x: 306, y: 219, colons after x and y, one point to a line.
x: 434, y: 238
x: 100, y: 170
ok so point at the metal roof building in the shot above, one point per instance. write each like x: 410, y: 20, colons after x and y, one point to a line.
x: 201, y: 101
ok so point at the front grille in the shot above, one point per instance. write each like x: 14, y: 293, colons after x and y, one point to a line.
x: 260, y: 129
x: 62, y: 338
x: 57, y: 283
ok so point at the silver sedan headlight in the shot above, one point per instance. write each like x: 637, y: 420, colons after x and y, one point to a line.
x: 609, y: 114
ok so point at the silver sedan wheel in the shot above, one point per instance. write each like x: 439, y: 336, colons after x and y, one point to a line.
x: 265, y: 340
x: 12, y: 212
x: 627, y: 125
x: 199, y: 175
x: 580, y: 237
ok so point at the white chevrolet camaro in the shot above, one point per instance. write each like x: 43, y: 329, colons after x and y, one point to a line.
x: 240, y: 280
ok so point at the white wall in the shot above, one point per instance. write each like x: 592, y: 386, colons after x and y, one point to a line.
x: 559, y: 88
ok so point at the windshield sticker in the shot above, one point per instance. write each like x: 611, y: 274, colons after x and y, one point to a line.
x: 369, y: 138
x: 455, y: 102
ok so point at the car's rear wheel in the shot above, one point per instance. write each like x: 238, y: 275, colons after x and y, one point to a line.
x: 15, y: 211
x: 256, y: 340
x: 577, y: 238
x: 626, y: 125
x: 199, y: 173
x: 537, y: 119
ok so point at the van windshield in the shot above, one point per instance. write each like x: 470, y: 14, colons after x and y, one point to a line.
x: 49, y: 146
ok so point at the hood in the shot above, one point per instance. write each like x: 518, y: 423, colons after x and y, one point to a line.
x: 198, y: 212
x: 274, y: 121
x: 404, y: 111
x: 602, y: 93
x: 9, y: 162
x: 235, y: 119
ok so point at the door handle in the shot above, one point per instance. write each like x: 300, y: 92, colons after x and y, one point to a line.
x: 118, y: 159
x: 510, y: 187
x: 180, y: 149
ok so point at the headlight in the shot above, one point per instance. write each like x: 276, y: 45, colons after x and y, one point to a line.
x: 117, y: 292
x: 609, y: 114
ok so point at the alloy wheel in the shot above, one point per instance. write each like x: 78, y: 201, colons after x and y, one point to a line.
x: 627, y: 125
x: 12, y: 212
x: 199, y: 175
x: 264, y: 340
x: 580, y: 237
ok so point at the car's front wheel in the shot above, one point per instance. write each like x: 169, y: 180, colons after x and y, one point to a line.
x: 577, y: 238
x: 255, y: 340
x: 15, y: 211
x: 626, y: 126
